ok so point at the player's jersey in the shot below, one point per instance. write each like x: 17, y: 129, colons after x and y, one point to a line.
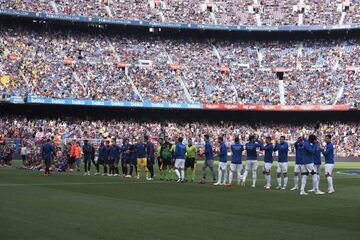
x: 309, y: 151
x: 150, y: 150
x: 329, y: 153
x: 180, y: 151
x: 236, y: 150
x: 268, y: 149
x: 317, y: 155
x: 283, y: 149
x: 165, y: 152
x: 223, y: 153
x: 101, y: 152
x: 114, y: 151
x: 87, y: 150
x: 48, y: 151
x: 191, y: 151
x: 251, y: 153
x: 209, y: 155
x: 299, y: 159
x: 125, y: 151
x: 140, y: 149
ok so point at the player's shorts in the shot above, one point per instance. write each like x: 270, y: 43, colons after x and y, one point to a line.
x: 236, y: 167
x: 297, y: 168
x: 329, y: 167
x: 150, y: 161
x: 208, y: 163
x: 267, y: 167
x: 190, y: 162
x: 141, y: 162
x: 317, y: 168
x: 126, y: 161
x: 133, y: 161
x: 222, y: 166
x: 71, y: 160
x: 180, y: 163
x: 307, y: 168
x: 166, y: 161
x: 111, y: 161
x: 282, y: 167
x: 251, y: 165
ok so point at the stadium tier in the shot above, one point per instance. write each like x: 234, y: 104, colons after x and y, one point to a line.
x: 146, y: 68
x: 35, y: 131
x: 219, y: 12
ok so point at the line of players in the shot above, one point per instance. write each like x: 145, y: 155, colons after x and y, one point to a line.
x: 308, y: 162
x: 176, y: 158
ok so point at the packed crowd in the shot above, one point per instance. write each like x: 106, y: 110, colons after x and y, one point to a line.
x: 84, y: 66
x: 227, y: 12
x: 26, y: 136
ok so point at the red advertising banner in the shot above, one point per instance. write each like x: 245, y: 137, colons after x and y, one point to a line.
x: 68, y: 61
x: 174, y: 66
x: 279, y: 69
x: 249, y: 107
x: 121, y: 64
x: 12, y: 57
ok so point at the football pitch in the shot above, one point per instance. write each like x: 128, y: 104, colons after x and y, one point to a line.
x: 72, y: 206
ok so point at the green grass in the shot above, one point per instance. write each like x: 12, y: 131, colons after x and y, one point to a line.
x: 72, y: 206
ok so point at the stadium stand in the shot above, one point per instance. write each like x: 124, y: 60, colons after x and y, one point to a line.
x: 34, y: 131
x: 132, y: 67
x: 226, y: 12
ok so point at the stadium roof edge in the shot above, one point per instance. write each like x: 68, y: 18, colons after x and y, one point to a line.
x: 172, y: 25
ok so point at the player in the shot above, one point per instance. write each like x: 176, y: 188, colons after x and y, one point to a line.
x: 317, y: 169
x: 268, y: 160
x: 236, y: 162
x: 209, y: 160
x: 115, y: 156
x: 48, y: 152
x: 222, y: 170
x: 190, y: 162
x: 165, y: 157
x: 88, y: 152
x: 328, y: 153
x: 299, y: 160
x: 180, y: 153
x: 141, y: 158
x: 125, y: 157
x: 133, y: 159
x: 150, y: 150
x: 283, y: 149
x: 101, y: 157
x: 308, y: 164
x: 251, y: 159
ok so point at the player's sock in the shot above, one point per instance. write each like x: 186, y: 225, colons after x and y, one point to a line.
x: 286, y: 179
x: 314, y: 180
x: 296, y: 181
x: 267, y: 179
x: 138, y: 171
x: 245, y: 175
x: 193, y: 174
x: 219, y: 175
x: 254, y: 178
x: 182, y: 174
x: 230, y: 176
x: 303, y: 182
x: 318, y: 182
x: 279, y: 181
x: 178, y: 173
x: 225, y: 176
x: 330, y: 182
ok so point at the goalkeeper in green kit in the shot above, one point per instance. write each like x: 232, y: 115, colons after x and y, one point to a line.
x: 190, y: 162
